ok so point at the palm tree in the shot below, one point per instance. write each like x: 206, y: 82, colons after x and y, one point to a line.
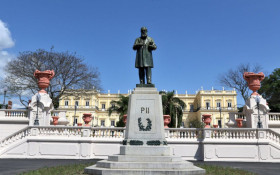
x: 119, y: 107
x: 172, y: 106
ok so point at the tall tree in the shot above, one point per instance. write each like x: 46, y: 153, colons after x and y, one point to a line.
x: 234, y: 78
x: 70, y: 72
x: 270, y: 90
x: 174, y: 107
x: 121, y: 107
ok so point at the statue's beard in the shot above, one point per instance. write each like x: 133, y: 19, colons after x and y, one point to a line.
x: 144, y: 36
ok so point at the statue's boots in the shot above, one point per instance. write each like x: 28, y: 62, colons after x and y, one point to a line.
x: 149, y: 81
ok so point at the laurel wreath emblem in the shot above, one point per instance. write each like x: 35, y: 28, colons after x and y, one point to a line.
x: 141, y: 126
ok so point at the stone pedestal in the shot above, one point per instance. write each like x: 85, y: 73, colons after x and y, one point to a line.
x: 45, y: 107
x: 144, y: 149
x: 251, y: 112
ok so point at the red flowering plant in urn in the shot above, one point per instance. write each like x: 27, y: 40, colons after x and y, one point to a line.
x: 166, y: 120
x: 207, y: 120
x: 254, y: 81
x: 124, y: 119
x: 43, y: 78
x: 55, y: 120
x: 87, y: 118
x: 239, y: 122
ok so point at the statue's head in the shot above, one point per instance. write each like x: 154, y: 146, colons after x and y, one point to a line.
x: 144, y: 32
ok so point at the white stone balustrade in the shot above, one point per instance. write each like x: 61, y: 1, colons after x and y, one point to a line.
x: 184, y: 133
x: 19, y: 135
x: 107, y: 132
x: 14, y: 113
x: 232, y: 133
x: 211, y: 144
x: 274, y: 116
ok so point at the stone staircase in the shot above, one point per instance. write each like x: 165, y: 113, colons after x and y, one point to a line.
x: 144, y: 165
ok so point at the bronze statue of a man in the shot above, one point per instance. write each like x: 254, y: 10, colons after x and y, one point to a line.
x: 144, y: 58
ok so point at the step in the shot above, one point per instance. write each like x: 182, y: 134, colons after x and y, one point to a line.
x: 146, y: 150
x: 144, y: 165
x: 131, y: 158
x: 104, y: 171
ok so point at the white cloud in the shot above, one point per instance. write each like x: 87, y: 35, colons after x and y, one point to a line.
x: 6, y: 41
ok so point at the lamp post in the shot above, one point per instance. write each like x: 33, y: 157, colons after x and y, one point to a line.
x: 220, y: 110
x: 36, y: 121
x: 5, y: 92
x: 74, y: 123
x: 258, y: 106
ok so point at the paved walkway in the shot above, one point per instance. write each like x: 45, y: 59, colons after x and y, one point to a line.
x: 16, y: 166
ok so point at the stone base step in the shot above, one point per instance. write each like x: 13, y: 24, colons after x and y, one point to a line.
x: 143, y: 165
x: 104, y: 171
x: 130, y: 158
x: 146, y: 150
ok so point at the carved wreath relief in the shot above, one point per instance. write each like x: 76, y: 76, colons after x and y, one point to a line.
x: 149, y: 122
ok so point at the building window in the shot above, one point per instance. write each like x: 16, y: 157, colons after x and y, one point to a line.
x: 76, y: 103
x: 113, y: 123
x: 207, y: 105
x: 191, y: 108
x: 102, y: 122
x: 66, y: 103
x: 113, y: 105
x: 87, y: 103
x: 218, y: 104
x: 103, y: 107
x: 229, y: 104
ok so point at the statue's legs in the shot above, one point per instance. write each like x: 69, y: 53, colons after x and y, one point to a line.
x: 142, y: 75
x: 149, y: 75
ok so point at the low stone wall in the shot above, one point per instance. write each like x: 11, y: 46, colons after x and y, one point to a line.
x: 250, y: 145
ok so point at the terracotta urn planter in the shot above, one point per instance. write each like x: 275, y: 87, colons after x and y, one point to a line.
x: 43, y: 78
x: 124, y: 118
x: 239, y: 122
x: 215, y: 126
x: 166, y: 120
x: 207, y: 120
x: 254, y: 81
x: 80, y: 124
x: 55, y: 120
x: 87, y: 118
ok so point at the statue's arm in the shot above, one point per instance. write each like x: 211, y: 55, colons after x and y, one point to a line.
x: 152, y: 45
x: 137, y: 44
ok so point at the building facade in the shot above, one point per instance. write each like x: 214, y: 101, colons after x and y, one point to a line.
x: 218, y: 103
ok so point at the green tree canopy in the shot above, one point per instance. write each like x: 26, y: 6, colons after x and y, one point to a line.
x: 174, y: 107
x: 270, y: 90
x: 120, y: 107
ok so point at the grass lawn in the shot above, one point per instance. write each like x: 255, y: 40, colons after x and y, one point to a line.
x: 79, y: 169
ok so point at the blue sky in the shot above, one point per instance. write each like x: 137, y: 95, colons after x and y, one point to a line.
x: 197, y: 40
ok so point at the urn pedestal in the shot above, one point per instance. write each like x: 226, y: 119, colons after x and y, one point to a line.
x: 251, y: 109
x: 41, y: 103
